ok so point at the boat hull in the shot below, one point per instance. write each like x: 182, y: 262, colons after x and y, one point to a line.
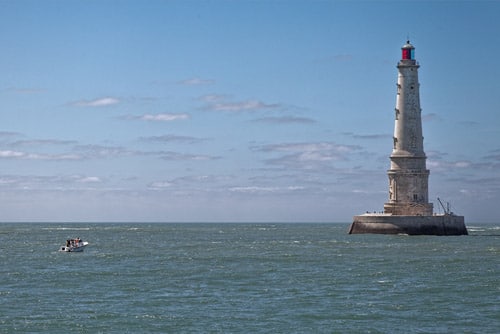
x: 78, y: 248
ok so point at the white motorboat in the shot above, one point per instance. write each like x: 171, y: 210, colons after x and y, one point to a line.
x: 74, y: 245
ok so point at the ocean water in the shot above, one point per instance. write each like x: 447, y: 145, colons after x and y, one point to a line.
x: 246, y: 278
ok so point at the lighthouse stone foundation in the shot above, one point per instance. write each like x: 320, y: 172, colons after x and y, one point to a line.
x: 408, y: 210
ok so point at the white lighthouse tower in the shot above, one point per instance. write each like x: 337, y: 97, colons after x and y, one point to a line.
x: 408, y: 209
x: 408, y: 176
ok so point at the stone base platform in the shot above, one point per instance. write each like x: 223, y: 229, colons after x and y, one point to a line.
x: 411, y: 225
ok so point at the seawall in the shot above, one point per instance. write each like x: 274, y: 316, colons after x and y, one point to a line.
x: 411, y: 225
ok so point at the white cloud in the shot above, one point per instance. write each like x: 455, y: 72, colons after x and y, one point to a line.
x: 285, y: 120
x: 98, y: 151
x: 196, y: 82
x: 66, y: 156
x: 38, y: 182
x: 462, y: 164
x: 99, y: 102
x: 260, y: 189
x: 440, y: 165
x: 11, y: 154
x: 173, y: 138
x: 175, y: 156
x: 102, y: 151
x: 212, y: 98
x: 160, y: 184
x: 90, y: 179
x: 309, y: 156
x: 309, y: 148
x: 249, y: 105
x: 368, y: 137
x: 253, y: 189
x: 85, y: 152
x: 217, y: 102
x: 37, y: 142
x: 7, y: 154
x: 164, y: 117
x: 368, y: 192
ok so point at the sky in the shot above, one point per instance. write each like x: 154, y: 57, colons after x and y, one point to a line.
x: 239, y: 111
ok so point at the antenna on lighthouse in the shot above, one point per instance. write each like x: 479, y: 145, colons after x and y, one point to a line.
x: 446, y: 209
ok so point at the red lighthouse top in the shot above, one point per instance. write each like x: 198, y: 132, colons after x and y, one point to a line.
x: 408, y: 51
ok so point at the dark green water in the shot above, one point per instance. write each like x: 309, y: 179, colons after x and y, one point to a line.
x: 246, y: 278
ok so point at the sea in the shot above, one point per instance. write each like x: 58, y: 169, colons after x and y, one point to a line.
x: 246, y: 278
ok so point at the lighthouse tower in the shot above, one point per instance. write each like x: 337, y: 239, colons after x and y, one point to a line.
x: 408, y: 176
x: 408, y: 210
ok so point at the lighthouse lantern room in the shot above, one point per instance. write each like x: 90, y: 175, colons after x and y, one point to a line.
x: 408, y: 51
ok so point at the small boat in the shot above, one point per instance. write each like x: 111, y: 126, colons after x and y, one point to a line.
x: 74, y: 245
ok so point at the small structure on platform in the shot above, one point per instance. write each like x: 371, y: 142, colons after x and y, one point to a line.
x: 408, y: 210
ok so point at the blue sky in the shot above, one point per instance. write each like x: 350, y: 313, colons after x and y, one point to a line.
x: 230, y: 111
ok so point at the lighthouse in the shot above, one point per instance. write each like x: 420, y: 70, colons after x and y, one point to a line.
x: 408, y: 176
x: 408, y: 210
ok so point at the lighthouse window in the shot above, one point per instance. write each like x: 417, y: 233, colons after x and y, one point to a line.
x: 406, y: 54
x: 415, y: 197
